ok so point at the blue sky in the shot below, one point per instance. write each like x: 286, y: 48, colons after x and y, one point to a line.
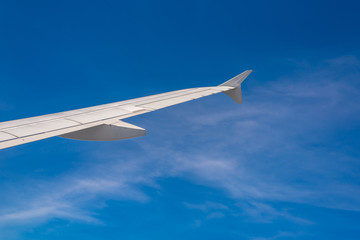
x: 283, y: 165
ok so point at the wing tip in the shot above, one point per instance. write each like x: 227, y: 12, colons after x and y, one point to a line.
x: 235, y: 82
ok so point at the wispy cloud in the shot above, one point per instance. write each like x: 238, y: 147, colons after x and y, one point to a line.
x: 207, y: 206
x: 262, y: 212
x: 279, y: 146
x: 70, y: 196
x: 279, y: 235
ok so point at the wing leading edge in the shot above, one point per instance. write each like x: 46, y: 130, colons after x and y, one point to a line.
x: 102, y: 123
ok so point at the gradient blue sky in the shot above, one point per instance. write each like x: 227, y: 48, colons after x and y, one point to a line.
x: 283, y: 165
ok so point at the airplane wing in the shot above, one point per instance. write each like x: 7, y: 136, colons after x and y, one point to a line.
x: 103, y: 122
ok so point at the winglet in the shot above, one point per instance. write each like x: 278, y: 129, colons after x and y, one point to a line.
x: 235, y: 93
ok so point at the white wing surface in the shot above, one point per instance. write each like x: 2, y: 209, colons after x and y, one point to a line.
x: 103, y: 122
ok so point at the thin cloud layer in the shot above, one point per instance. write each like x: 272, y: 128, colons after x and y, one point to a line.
x: 282, y: 145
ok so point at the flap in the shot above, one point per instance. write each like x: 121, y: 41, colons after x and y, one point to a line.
x: 107, y: 132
